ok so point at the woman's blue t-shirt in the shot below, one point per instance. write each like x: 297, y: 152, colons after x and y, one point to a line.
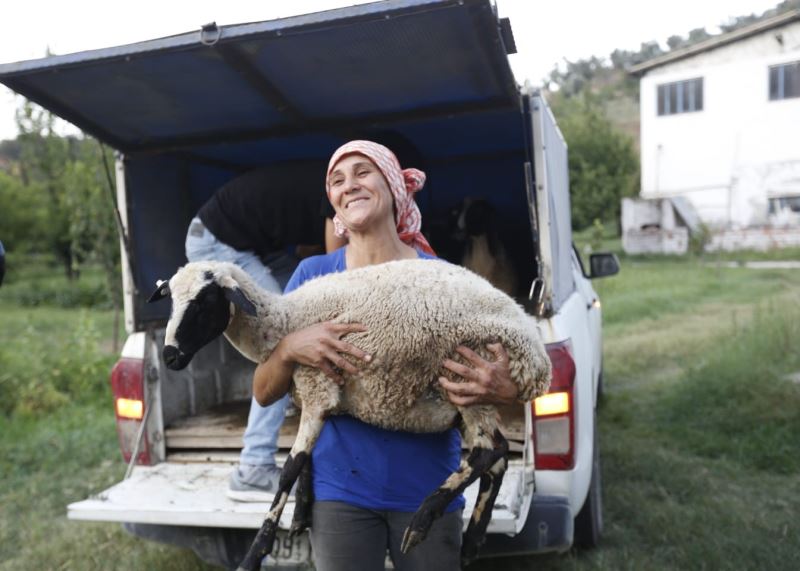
x: 367, y: 466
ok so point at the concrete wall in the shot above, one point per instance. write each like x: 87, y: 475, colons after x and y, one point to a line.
x: 741, y: 148
x: 650, y: 227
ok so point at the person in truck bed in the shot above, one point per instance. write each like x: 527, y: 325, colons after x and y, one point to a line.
x: 265, y: 221
x: 367, y: 481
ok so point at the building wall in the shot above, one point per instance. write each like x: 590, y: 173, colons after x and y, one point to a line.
x: 727, y: 158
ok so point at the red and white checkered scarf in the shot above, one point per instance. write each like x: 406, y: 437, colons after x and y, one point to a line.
x: 402, y: 182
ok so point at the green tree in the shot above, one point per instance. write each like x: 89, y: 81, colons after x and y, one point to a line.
x: 603, y: 163
x: 43, y: 160
x: 60, y: 200
x: 21, y: 217
x: 92, y: 226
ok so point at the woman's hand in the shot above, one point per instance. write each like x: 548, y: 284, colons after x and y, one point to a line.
x: 485, y: 382
x: 321, y: 346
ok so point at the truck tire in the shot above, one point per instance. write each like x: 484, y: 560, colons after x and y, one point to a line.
x: 589, y: 521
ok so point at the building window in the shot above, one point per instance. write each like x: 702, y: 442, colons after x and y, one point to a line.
x: 791, y: 203
x: 680, y: 96
x: 784, y: 81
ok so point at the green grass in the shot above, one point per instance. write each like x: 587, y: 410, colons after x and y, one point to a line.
x: 700, y: 425
x: 51, y: 461
x: 751, y: 410
x: 58, y: 441
x: 38, y: 281
x: 699, y: 429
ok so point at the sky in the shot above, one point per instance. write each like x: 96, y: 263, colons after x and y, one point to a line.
x: 546, y: 32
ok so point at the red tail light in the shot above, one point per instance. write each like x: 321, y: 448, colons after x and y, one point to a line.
x: 554, y: 413
x: 127, y: 386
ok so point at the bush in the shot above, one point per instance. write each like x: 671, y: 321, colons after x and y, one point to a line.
x: 75, y: 295
x: 32, y: 282
x: 38, y: 374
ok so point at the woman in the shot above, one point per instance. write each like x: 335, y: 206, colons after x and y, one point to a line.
x: 368, y: 482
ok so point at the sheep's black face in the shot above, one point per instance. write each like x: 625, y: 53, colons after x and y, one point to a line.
x: 200, y: 320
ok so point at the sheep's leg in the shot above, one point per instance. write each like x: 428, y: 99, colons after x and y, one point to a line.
x: 482, y: 514
x: 303, y: 498
x: 478, y: 426
x: 307, y: 433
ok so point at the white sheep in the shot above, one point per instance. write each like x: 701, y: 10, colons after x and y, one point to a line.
x: 416, y: 313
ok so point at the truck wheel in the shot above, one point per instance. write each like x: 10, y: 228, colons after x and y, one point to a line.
x: 589, y: 521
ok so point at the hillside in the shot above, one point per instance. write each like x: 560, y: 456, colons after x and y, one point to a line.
x: 608, y: 83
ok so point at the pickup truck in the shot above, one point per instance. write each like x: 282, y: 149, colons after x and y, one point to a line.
x: 188, y: 112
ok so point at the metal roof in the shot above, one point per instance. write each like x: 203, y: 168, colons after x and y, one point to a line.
x: 716, y: 42
x: 377, y: 64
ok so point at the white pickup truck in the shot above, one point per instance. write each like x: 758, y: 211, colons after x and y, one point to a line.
x: 188, y: 112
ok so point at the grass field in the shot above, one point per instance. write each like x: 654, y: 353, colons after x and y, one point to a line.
x: 700, y: 427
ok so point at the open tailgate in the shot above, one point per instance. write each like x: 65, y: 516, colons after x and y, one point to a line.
x: 194, y: 495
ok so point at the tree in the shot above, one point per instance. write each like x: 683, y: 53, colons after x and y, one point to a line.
x: 60, y: 201
x: 675, y: 41
x: 21, y: 218
x: 92, y: 228
x: 43, y: 160
x: 603, y: 164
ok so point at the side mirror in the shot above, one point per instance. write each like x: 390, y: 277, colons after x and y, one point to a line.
x: 603, y: 265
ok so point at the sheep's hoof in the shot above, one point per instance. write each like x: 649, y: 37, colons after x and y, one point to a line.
x: 469, y: 549
x: 411, y: 539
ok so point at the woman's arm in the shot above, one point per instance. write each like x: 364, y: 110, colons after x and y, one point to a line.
x: 485, y: 382
x: 319, y: 346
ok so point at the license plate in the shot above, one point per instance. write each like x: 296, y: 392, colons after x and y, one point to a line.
x: 289, y: 551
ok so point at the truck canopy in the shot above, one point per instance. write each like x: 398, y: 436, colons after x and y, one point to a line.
x: 382, y: 62
x: 192, y: 111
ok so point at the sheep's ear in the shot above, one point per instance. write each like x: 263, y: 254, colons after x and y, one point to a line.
x: 237, y: 298
x: 162, y: 291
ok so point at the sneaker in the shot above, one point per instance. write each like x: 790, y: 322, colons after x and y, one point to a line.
x: 250, y: 483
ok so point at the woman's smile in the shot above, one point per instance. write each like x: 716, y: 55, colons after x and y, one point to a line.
x: 355, y: 200
x: 360, y: 193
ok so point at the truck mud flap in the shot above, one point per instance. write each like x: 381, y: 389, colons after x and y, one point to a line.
x: 549, y: 528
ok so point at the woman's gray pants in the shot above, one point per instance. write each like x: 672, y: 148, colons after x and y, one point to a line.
x: 348, y: 538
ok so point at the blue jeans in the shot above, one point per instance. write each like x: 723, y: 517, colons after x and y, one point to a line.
x: 263, y: 423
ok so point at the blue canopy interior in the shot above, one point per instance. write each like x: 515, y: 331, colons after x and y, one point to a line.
x: 191, y: 111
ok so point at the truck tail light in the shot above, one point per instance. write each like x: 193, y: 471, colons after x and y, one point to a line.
x: 554, y: 413
x: 127, y: 386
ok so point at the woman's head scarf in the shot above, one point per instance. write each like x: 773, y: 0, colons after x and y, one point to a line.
x: 403, y: 183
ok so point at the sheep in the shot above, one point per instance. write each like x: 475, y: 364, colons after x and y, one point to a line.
x: 484, y: 252
x: 416, y: 313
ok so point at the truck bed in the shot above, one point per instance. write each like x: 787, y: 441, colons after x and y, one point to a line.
x: 221, y: 427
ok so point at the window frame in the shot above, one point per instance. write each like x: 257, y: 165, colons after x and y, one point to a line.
x: 781, y: 69
x: 678, y: 97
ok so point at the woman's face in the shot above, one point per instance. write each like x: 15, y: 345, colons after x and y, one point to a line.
x: 359, y: 193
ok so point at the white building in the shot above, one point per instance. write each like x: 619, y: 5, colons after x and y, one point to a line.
x: 720, y: 125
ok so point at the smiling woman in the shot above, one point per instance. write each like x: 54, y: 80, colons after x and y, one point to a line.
x: 360, y: 508
x: 358, y: 192
x: 364, y: 170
